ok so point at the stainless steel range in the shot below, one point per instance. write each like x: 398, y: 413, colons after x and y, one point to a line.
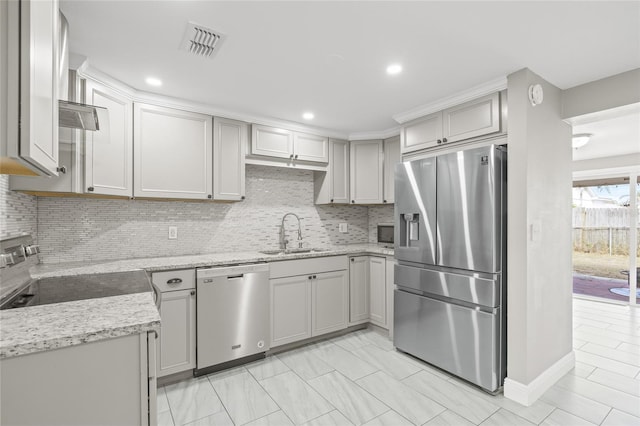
x: 19, y: 290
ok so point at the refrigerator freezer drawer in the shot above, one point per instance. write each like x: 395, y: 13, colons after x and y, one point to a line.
x: 470, y: 288
x: 460, y: 340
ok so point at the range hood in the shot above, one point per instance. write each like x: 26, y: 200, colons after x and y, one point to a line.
x: 74, y: 115
x: 80, y: 116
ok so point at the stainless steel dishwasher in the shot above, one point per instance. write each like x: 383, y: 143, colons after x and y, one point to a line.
x: 232, y: 314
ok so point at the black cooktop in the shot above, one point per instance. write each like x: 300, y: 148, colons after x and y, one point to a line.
x: 79, y: 287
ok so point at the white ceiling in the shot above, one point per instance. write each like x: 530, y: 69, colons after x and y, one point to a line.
x: 282, y: 58
x: 611, y: 137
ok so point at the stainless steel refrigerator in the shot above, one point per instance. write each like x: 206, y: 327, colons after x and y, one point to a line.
x: 450, y: 247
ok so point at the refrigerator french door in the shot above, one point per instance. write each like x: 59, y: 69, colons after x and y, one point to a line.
x: 449, y: 308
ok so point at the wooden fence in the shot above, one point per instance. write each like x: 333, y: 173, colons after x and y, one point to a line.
x: 601, y: 230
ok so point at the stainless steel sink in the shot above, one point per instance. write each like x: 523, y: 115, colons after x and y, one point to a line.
x: 291, y: 251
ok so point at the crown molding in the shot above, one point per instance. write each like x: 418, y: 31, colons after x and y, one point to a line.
x: 87, y: 71
x: 491, y: 86
x: 380, y: 134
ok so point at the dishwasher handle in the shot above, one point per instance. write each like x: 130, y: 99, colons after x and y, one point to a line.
x: 234, y: 277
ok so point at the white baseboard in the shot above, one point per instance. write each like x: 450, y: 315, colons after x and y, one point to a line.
x: 528, y: 394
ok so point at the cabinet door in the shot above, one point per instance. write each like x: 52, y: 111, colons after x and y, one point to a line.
x: 391, y: 159
x: 229, y: 139
x: 38, y: 136
x: 172, y: 153
x: 339, y: 169
x: 177, y: 340
x: 271, y: 142
x: 358, y: 289
x: 366, y: 159
x: 310, y: 147
x: 472, y: 119
x: 390, y: 286
x: 290, y: 309
x: 109, y: 152
x: 421, y: 133
x: 377, y: 291
x: 329, y: 295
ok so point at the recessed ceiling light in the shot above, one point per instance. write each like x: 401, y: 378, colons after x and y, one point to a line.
x: 394, y: 69
x: 580, y: 139
x: 308, y: 116
x: 152, y: 81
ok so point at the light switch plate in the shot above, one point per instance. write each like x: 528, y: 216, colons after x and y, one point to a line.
x: 173, y: 232
x: 343, y: 228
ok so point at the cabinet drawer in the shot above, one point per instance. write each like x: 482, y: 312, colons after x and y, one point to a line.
x: 182, y: 279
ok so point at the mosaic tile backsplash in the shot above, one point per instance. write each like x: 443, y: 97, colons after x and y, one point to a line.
x: 17, y: 211
x: 71, y: 229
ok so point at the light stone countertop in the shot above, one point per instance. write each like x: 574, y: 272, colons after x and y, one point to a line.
x: 153, y: 264
x: 58, y: 325
x: 46, y: 327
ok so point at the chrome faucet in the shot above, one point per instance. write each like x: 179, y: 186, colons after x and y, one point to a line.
x: 283, y: 240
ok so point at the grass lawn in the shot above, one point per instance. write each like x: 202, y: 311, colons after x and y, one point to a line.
x: 601, y: 265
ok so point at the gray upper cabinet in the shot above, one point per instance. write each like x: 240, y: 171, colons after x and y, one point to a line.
x: 421, y: 133
x: 31, y: 53
x: 477, y: 118
x: 392, y: 157
x: 332, y: 186
x: 229, y: 139
x: 109, y: 154
x: 472, y: 119
x: 271, y: 141
x: 310, y: 147
x: 172, y: 153
x: 294, y: 146
x: 366, y: 159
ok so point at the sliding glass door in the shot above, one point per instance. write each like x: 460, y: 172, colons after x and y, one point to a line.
x: 605, y: 238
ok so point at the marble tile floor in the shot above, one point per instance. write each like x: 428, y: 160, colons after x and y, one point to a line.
x: 359, y: 379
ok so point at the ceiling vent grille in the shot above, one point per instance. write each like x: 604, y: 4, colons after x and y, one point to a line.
x: 201, y: 41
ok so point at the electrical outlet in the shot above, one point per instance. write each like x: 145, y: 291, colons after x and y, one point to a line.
x: 173, y: 232
x: 342, y: 227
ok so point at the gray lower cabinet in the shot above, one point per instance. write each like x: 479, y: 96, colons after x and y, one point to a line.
x: 368, y: 290
x: 290, y: 309
x: 377, y: 291
x: 329, y: 296
x: 177, y: 339
x: 308, y: 303
x: 358, y: 290
x: 109, y: 382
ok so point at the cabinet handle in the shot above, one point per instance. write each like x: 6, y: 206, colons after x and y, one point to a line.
x: 62, y: 169
x: 384, y: 201
x: 332, y: 200
x: 90, y: 189
x: 193, y: 292
x: 243, y: 197
x: 291, y: 157
x: 296, y: 156
x: 444, y: 140
x: 352, y: 259
x: 314, y: 277
x: 309, y: 277
x: 209, y: 196
x: 352, y: 202
x: 439, y: 141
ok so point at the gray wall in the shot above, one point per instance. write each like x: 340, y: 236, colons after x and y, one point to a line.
x: 612, y: 92
x: 539, y: 263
